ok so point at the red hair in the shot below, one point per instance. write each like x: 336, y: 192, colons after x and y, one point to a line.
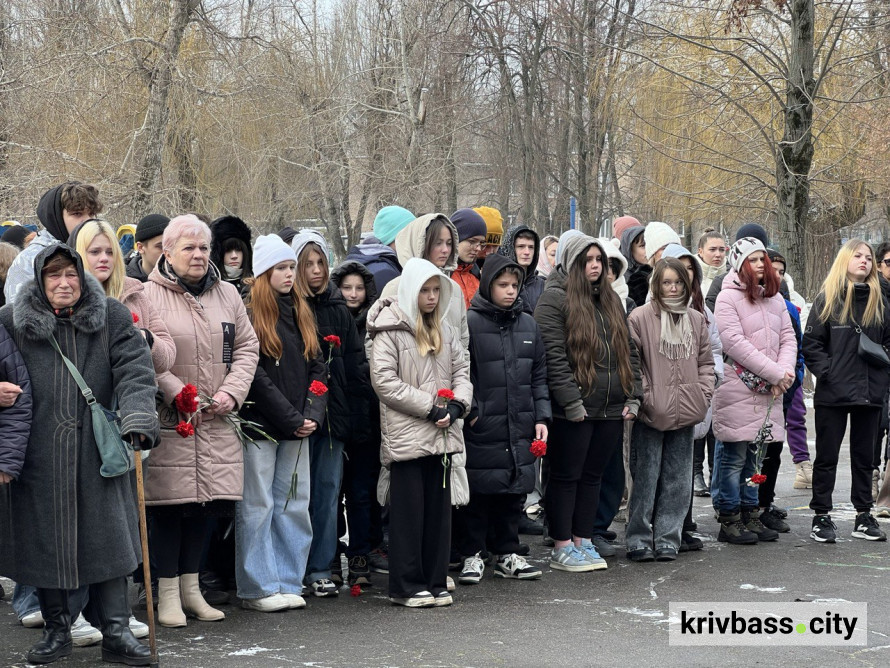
x: 770, y: 281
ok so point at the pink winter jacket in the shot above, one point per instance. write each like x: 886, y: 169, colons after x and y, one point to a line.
x: 210, y: 464
x: 759, y: 337
x: 163, y: 350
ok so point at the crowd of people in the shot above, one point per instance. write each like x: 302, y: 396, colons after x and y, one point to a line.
x: 447, y: 387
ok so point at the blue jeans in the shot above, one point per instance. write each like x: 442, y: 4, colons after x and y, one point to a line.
x: 661, y: 466
x: 24, y: 600
x: 271, y: 542
x: 733, y: 465
x: 325, y: 471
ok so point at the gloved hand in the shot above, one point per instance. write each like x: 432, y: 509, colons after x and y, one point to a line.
x: 455, y: 410
x: 436, y: 413
x: 139, y: 441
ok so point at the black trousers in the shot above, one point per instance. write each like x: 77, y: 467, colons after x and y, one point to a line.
x: 578, y: 454
x: 491, y: 521
x: 419, y: 527
x: 831, y: 424
x: 766, y: 491
x: 177, y: 543
x: 699, y: 446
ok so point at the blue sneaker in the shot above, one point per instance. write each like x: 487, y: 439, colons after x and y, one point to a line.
x: 588, y: 549
x: 571, y: 559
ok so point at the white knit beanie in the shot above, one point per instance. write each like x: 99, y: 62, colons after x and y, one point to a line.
x: 657, y: 236
x: 269, y: 250
x: 741, y: 249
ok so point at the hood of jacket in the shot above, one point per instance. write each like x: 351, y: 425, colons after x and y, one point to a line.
x: 619, y: 285
x: 356, y: 267
x: 678, y: 251
x: 482, y: 302
x: 571, y: 245
x: 34, y: 316
x: 508, y: 248
x: 49, y: 211
x: 411, y: 240
x: 230, y: 227
x: 627, y: 238
x: 372, y: 248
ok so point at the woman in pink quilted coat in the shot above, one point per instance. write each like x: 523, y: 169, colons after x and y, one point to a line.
x: 758, y: 339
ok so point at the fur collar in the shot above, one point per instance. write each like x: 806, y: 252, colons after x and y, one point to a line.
x: 34, y: 319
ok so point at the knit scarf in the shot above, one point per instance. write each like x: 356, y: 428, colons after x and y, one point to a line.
x: 676, y: 333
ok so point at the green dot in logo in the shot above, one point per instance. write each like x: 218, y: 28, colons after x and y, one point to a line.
x: 801, y: 628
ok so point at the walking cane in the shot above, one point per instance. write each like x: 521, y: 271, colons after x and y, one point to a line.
x: 146, y: 568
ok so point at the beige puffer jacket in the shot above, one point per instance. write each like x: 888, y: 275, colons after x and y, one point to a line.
x: 209, y: 465
x: 676, y: 393
x: 410, y: 243
x: 163, y: 350
x: 407, y: 383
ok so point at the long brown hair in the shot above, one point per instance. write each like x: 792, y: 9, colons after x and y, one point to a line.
x: 300, y: 281
x: 584, y: 308
x: 678, y: 268
x: 262, y: 306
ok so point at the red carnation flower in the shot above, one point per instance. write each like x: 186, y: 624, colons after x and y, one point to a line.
x: 446, y: 394
x: 355, y: 590
x: 317, y: 388
x: 538, y: 448
x: 185, y: 429
x: 135, y: 317
x: 333, y: 339
x: 758, y: 478
x: 187, y: 399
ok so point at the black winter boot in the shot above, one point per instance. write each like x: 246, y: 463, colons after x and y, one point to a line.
x: 733, y: 531
x: 56, y: 640
x: 108, y: 601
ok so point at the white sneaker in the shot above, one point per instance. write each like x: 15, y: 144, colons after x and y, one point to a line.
x: 33, y: 620
x: 472, y: 571
x: 449, y: 583
x: 273, y: 603
x: 294, y: 601
x: 137, y: 628
x: 422, y: 599
x: 83, y: 634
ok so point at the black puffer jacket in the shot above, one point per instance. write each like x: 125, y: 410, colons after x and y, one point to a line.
x: 831, y: 354
x: 134, y: 269
x: 348, y: 373
x: 533, y: 285
x: 508, y: 368
x: 365, y: 419
x: 279, y: 395
x: 15, y: 420
x: 607, y: 400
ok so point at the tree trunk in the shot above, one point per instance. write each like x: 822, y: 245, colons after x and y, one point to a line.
x: 156, y: 116
x: 794, y: 156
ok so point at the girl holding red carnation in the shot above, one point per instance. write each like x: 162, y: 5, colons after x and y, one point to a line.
x: 414, y: 355
x: 287, y: 399
x: 678, y: 381
x: 511, y: 407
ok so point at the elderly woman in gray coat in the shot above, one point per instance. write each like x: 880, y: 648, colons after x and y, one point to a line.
x: 62, y: 525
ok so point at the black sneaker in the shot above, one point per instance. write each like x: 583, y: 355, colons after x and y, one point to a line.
x: 781, y: 512
x: 824, y: 530
x: 530, y: 527
x: 378, y: 560
x: 359, y: 571
x: 337, y: 570
x: 689, y: 543
x: 866, y: 526
x: 699, y: 487
x: 773, y: 520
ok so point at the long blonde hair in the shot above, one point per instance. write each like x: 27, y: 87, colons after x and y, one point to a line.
x: 428, y: 328
x: 91, y: 229
x: 838, y: 290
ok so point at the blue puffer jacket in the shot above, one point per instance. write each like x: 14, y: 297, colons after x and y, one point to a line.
x: 508, y: 368
x: 15, y: 421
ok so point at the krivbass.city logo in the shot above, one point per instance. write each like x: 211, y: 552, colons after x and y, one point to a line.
x: 735, y: 624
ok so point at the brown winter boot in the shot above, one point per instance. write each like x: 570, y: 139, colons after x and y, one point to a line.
x: 733, y: 530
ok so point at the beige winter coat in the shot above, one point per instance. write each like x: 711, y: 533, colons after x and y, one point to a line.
x: 209, y: 465
x: 676, y: 393
x: 407, y: 384
x: 163, y: 350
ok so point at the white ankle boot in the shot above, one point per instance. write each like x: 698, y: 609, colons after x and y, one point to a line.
x: 169, y: 605
x: 193, y: 602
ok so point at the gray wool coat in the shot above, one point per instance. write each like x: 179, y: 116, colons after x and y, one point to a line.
x: 62, y: 525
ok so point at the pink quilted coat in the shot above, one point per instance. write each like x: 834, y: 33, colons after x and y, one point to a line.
x: 760, y: 337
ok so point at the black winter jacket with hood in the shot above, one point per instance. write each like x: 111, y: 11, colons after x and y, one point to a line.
x: 508, y: 369
x: 830, y: 351
x: 231, y: 227
x: 279, y: 394
x: 15, y: 420
x: 607, y: 399
x: 533, y: 285
x: 348, y: 373
x: 365, y: 416
x: 637, y: 275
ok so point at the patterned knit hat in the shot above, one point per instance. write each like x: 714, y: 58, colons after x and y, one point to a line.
x: 741, y: 249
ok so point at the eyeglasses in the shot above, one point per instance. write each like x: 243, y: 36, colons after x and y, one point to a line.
x: 474, y: 244
x: 667, y: 285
